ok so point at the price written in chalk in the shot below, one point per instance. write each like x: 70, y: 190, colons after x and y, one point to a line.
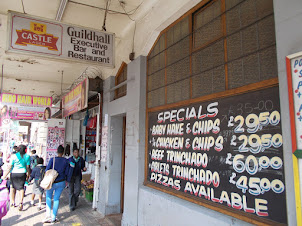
x: 254, y: 122
x: 256, y: 186
x: 257, y: 143
x: 251, y: 164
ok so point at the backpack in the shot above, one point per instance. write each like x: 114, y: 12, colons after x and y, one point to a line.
x: 42, y: 173
x: 33, y: 161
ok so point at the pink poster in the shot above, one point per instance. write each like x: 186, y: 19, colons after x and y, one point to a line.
x: 28, y: 107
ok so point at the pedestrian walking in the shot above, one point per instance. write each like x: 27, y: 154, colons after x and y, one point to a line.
x: 33, y: 159
x: 61, y: 166
x: 77, y: 165
x: 19, y: 167
x: 37, y: 175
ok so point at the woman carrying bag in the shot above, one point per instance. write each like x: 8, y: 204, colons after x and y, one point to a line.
x: 59, y: 164
x: 19, y: 166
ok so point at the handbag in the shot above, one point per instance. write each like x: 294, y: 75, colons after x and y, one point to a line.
x: 49, y: 177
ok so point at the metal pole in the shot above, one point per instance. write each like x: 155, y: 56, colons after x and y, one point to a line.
x: 97, y: 163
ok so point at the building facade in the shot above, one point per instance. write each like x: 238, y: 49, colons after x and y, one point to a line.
x: 217, y: 71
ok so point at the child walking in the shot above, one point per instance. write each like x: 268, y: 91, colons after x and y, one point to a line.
x: 37, y: 174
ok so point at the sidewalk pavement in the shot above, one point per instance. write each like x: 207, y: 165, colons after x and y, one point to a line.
x: 82, y: 216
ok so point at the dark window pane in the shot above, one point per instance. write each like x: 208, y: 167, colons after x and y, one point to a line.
x: 266, y: 29
x: 264, y: 7
x: 234, y: 46
x: 268, y: 63
x: 162, y: 43
x: 156, y: 80
x: 178, y: 91
x: 207, y: 15
x: 231, y: 3
x: 207, y: 33
x: 178, y: 71
x: 202, y: 84
x: 208, y: 58
x: 233, y: 20
x: 249, y: 40
x: 248, y: 13
x: 178, y: 51
x: 156, y: 98
x: 251, y: 69
x: 209, y: 82
x: 235, y: 74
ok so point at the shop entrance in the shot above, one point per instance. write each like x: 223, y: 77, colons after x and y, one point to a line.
x: 117, y: 160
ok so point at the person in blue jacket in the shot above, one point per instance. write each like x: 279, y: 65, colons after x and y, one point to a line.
x: 62, y: 167
x: 76, y: 166
x: 37, y: 175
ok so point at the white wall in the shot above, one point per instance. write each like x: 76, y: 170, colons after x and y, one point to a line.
x: 133, y: 105
x: 157, y: 208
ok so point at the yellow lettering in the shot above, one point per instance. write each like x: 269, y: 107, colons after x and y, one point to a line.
x: 19, y: 99
x: 42, y: 101
x: 23, y: 100
x: 29, y: 100
x: 34, y: 100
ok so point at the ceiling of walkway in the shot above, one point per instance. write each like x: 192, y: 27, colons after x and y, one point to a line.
x: 38, y: 76
x: 136, y: 24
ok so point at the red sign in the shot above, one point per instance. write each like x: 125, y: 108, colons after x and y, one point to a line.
x: 26, y: 37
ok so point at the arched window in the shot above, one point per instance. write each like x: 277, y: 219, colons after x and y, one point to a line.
x: 220, y: 46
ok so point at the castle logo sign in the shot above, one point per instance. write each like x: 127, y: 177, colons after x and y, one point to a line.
x: 47, y: 38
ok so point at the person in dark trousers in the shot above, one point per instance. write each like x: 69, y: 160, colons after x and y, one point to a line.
x: 76, y: 166
x: 37, y: 174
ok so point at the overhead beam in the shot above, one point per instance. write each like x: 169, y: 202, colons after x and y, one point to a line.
x: 61, y: 10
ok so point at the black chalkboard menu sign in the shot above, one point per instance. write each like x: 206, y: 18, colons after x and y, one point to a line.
x: 227, y: 151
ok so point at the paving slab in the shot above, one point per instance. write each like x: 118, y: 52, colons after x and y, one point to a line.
x: 83, y: 215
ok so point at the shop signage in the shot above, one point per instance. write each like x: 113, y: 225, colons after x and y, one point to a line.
x: 33, y: 35
x: 76, y: 99
x: 55, y: 137
x: 18, y: 106
x: 226, y: 152
x: 294, y: 78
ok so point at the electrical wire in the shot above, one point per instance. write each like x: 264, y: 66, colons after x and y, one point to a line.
x: 105, y: 16
x: 122, y: 5
x: 23, y: 7
x: 133, y: 36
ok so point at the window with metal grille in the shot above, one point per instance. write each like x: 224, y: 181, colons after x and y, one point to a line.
x: 121, y: 77
x: 224, y: 45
